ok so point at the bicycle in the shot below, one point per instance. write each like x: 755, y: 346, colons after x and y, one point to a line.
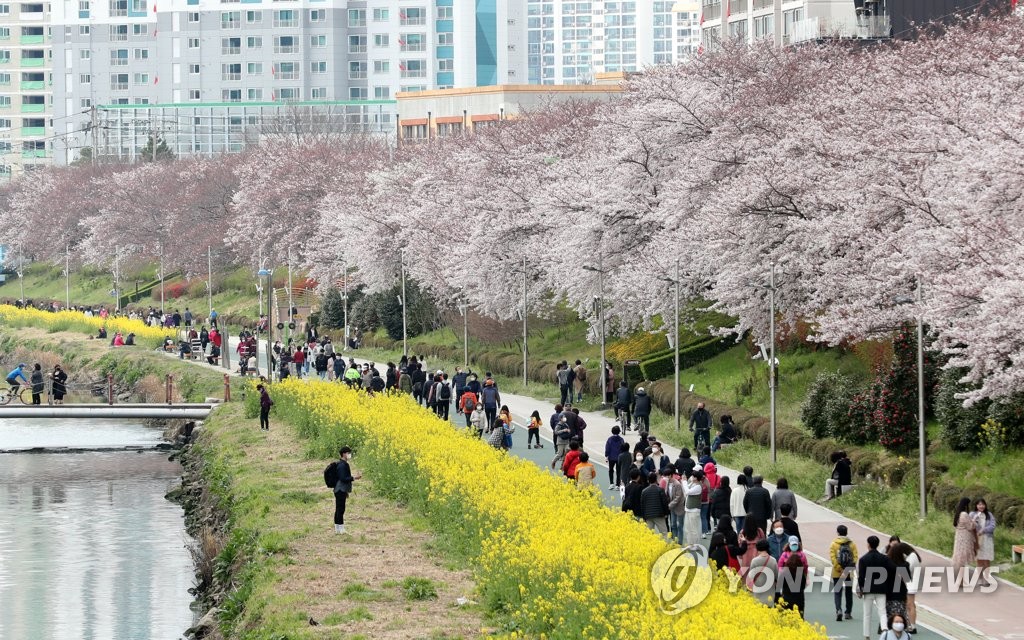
x: 24, y: 394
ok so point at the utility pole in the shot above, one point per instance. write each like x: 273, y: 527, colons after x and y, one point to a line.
x: 152, y: 140
x: 526, y: 309
x: 405, y: 333
x: 465, y: 335
x: 162, y: 309
x: 675, y: 334
x: 93, y: 129
x: 288, y: 324
x: 345, y: 299
x: 21, y: 271
x: 67, y: 275
x: 209, y: 277
x: 117, y: 278
x: 771, y: 357
x: 920, y: 400
x: 604, y: 370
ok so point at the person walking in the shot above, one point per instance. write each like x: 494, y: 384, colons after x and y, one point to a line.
x: 37, y: 383
x: 762, y: 576
x: 757, y: 503
x: 491, y: 399
x: 985, y: 523
x: 793, y: 582
x: 843, y: 553
x: 777, y: 539
x: 579, y: 380
x: 654, y: 505
x: 721, y: 500
x: 631, y: 494
x: 60, y: 384
x: 586, y: 472
x: 700, y: 427
x: 265, y: 404
x: 642, y: 410
x: 533, y: 432
x: 691, y: 509
x: 622, y: 466
x: 623, y: 404
x: 914, y: 565
x: 612, y: 449
x: 752, y: 536
x: 736, y: 501
x: 874, y: 573
x: 782, y: 496
x: 562, y: 378
x: 896, y: 598
x: 343, y: 488
x: 676, y: 505
x: 562, y: 435
x: 965, y: 541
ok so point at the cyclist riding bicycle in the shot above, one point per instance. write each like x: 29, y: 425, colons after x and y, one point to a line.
x: 12, y: 378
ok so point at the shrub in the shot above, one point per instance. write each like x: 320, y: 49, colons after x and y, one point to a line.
x: 332, y: 313
x: 961, y: 426
x: 690, y: 355
x: 812, y: 412
x: 895, y: 412
x: 1008, y: 415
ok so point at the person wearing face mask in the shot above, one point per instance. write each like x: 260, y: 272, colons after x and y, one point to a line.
x: 656, y: 462
x: 897, y: 629
x: 343, y: 487
x: 777, y: 539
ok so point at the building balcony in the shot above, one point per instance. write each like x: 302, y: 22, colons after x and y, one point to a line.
x: 32, y: 85
x: 33, y: 62
x: 33, y: 131
x: 33, y: 108
x: 34, y: 153
x: 865, y: 27
x: 32, y: 39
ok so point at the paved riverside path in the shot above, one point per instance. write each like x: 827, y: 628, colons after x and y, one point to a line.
x: 953, y: 615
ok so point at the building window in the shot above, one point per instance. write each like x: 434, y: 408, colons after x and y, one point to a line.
x: 290, y: 94
x: 446, y: 39
x: 254, y: 17
x: 382, y: 93
x: 84, y: 54
x: 357, y: 93
x: 412, y: 16
x: 254, y: 68
x: 381, y: 15
x: 231, y: 95
x: 357, y: 17
x: 285, y: 18
x: 382, y: 66
x: 288, y: 71
x: 139, y: 6
x: 118, y: 32
x: 381, y: 40
x: 231, y: 71
x: 318, y: 42
x: 356, y: 70
x: 254, y: 42
x: 194, y: 95
x: 193, y: 69
x: 118, y: 8
x: 119, y: 57
x: 254, y: 94
x: 357, y: 44
x: 141, y: 78
x: 320, y: 66
x: 84, y: 30
x: 85, y: 103
x: 140, y: 54
x: 140, y: 101
x: 5, y: 101
x: 119, y: 81
x: 446, y: 65
x: 5, y: 9
x: 230, y: 20
x: 320, y: 15
x: 285, y: 44
x: 444, y: 13
x: 84, y: 78
x: 318, y: 93
x: 413, y: 42
x: 5, y: 123
x: 231, y: 46
x: 193, y: 16
x: 5, y: 78
x: 413, y: 68
x: 140, y: 29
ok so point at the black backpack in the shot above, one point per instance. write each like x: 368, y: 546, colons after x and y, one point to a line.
x: 445, y: 391
x: 331, y: 475
x: 845, y: 555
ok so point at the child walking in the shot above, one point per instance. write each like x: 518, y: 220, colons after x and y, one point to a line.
x: 533, y: 431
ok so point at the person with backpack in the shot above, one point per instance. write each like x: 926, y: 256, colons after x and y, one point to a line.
x: 623, y: 402
x: 265, y: 404
x: 338, y: 475
x: 562, y: 377
x: 419, y: 379
x: 580, y: 425
x: 533, y: 430
x: 490, y: 399
x: 320, y: 364
x: 428, y: 392
x: 443, y: 393
x: 642, y: 410
x: 579, y: 380
x: 468, y: 402
x: 562, y: 436
x: 843, y: 553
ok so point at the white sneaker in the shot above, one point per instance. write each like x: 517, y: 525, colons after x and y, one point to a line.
x: 339, y: 528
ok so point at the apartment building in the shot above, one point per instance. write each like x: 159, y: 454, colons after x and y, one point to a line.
x: 26, y: 96
x: 226, y: 66
x: 570, y: 42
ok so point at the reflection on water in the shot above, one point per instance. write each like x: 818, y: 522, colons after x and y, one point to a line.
x: 89, y: 547
x: 92, y: 434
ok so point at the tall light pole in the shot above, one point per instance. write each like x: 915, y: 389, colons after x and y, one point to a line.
x: 344, y: 299
x: 405, y: 327
x: 771, y: 357
x: 21, y: 272
x: 599, y: 312
x: 209, y: 278
x: 67, y: 276
x: 464, y: 310
x: 288, y: 324
x: 921, y: 436
x: 526, y: 310
x: 161, y: 281
x: 117, y: 278
x: 676, y: 283
x: 268, y: 274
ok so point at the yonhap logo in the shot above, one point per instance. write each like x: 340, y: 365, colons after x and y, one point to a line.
x: 681, y: 579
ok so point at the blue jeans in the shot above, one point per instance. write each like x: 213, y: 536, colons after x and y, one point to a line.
x: 737, y: 522
x: 705, y: 517
x: 675, y: 526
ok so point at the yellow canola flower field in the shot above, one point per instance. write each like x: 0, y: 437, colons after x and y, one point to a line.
x: 551, y: 557
x: 77, y: 321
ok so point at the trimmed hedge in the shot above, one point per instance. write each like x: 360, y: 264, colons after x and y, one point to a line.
x: 690, y: 355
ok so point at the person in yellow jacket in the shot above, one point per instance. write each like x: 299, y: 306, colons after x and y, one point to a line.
x: 843, y: 553
x: 585, y: 471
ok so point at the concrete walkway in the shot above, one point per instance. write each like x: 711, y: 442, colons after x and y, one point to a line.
x: 954, y: 615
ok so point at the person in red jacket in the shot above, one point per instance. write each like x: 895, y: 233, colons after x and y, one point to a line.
x: 299, y: 358
x: 572, y: 458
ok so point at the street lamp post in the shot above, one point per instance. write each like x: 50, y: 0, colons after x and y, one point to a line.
x: 771, y: 358
x: 675, y: 334
x: 209, y: 278
x: 21, y: 272
x: 161, y: 282
x: 288, y: 324
x: 599, y: 312
x: 344, y: 299
x: 67, y: 276
x: 117, y: 278
x: 525, y: 313
x: 405, y: 326
x: 464, y: 310
x: 921, y: 435
x: 268, y: 274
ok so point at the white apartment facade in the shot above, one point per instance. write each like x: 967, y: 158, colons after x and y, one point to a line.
x: 129, y: 69
x: 26, y: 94
x: 570, y: 41
x: 788, y: 22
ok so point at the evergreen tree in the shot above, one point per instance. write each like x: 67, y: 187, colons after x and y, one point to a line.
x: 332, y: 313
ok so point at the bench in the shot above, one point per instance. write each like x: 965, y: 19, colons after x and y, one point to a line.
x: 1017, y: 552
